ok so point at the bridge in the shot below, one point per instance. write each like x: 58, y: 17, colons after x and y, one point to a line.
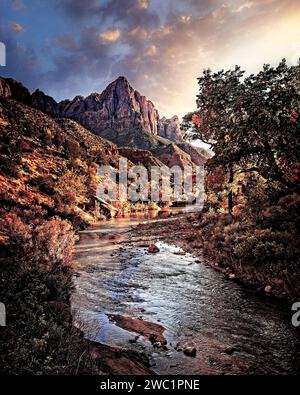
x: 109, y: 208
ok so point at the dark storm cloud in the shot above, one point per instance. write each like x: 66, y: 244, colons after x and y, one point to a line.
x: 80, y: 9
x: 81, y: 61
x: 22, y: 62
x: 129, y: 13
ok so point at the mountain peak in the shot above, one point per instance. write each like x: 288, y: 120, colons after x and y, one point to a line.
x: 121, y: 84
x: 117, y: 109
x: 121, y: 80
x: 119, y: 114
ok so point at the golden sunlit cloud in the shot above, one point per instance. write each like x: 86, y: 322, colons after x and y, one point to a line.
x: 143, y: 4
x: 110, y: 35
x: 163, y: 31
x: 185, y: 18
x: 16, y: 27
x: 244, y: 6
x: 219, y: 40
x: 151, y: 51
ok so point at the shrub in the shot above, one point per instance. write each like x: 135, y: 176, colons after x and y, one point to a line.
x: 35, y: 266
x: 53, y: 244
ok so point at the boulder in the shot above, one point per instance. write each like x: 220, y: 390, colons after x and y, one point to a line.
x: 153, y: 249
x: 268, y: 289
x: 190, y: 351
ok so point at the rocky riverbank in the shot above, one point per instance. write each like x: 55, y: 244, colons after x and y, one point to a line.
x: 165, y: 310
x: 117, y: 360
x: 184, y: 231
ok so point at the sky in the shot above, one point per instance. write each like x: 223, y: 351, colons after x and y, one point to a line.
x: 75, y: 47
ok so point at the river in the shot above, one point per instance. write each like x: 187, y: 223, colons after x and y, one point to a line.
x: 234, y: 330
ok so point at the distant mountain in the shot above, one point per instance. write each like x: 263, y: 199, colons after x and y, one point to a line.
x: 170, y: 128
x: 121, y: 115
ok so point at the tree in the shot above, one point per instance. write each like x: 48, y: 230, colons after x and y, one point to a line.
x: 252, y: 124
x: 71, y: 189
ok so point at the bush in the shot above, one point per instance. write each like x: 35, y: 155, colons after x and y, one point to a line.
x: 53, y: 244
x: 35, y: 266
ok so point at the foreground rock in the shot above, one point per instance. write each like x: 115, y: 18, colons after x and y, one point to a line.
x: 150, y: 330
x: 268, y: 289
x: 115, y: 360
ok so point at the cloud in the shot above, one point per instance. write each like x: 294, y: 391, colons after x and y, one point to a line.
x: 143, y: 4
x: 21, y: 62
x: 18, y: 5
x: 79, y: 9
x: 138, y: 34
x: 151, y: 51
x: 67, y: 43
x: 185, y: 18
x: 130, y: 12
x: 242, y: 7
x: 110, y: 36
x: 16, y: 27
x: 161, y: 46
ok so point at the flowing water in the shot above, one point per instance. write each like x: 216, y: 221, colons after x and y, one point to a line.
x: 234, y: 330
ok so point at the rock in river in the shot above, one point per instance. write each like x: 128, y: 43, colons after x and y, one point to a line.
x: 268, y: 289
x: 153, y: 249
x: 190, y: 351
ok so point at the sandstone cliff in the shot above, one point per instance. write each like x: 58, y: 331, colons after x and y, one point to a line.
x: 119, y: 108
x: 4, y: 88
x: 170, y: 128
x: 140, y: 157
x: 9, y: 87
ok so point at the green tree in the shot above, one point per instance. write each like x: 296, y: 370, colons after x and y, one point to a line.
x: 252, y: 124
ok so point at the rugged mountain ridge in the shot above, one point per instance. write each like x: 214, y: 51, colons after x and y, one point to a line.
x: 118, y: 108
x: 121, y: 115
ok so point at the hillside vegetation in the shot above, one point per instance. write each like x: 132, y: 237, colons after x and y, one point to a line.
x: 47, y: 178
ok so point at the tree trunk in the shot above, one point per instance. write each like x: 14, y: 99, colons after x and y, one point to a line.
x: 276, y: 172
x: 230, y: 197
